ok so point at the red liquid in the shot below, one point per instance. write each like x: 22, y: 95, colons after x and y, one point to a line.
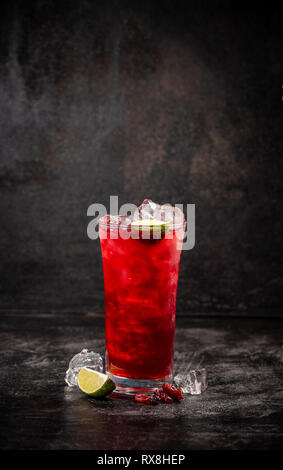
x: 140, y: 280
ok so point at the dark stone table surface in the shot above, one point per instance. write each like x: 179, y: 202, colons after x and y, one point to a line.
x: 241, y: 408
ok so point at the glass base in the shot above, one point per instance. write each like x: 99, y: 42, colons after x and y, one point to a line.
x: 128, y: 387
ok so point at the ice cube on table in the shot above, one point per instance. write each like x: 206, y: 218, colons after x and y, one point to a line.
x: 193, y: 381
x: 85, y: 358
x: 150, y: 210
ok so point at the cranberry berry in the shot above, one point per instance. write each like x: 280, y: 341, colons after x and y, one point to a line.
x: 173, y: 392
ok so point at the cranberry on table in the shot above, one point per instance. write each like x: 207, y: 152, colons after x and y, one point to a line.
x: 173, y: 392
x: 162, y: 395
x: 167, y: 393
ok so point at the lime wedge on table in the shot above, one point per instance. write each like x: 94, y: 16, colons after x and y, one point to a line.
x: 94, y: 383
x: 152, y: 226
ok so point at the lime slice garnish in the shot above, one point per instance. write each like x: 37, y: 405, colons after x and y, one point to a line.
x: 153, y: 226
x: 94, y: 383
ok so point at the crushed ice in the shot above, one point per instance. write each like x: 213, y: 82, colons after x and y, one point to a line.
x: 85, y: 358
x: 193, y: 381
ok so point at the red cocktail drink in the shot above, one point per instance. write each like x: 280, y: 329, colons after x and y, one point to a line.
x: 140, y: 280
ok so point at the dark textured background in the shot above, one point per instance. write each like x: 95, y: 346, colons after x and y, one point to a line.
x: 140, y: 99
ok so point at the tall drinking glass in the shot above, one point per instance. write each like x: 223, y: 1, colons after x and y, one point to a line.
x: 140, y: 282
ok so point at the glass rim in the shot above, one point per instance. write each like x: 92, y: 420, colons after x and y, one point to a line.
x: 115, y: 226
